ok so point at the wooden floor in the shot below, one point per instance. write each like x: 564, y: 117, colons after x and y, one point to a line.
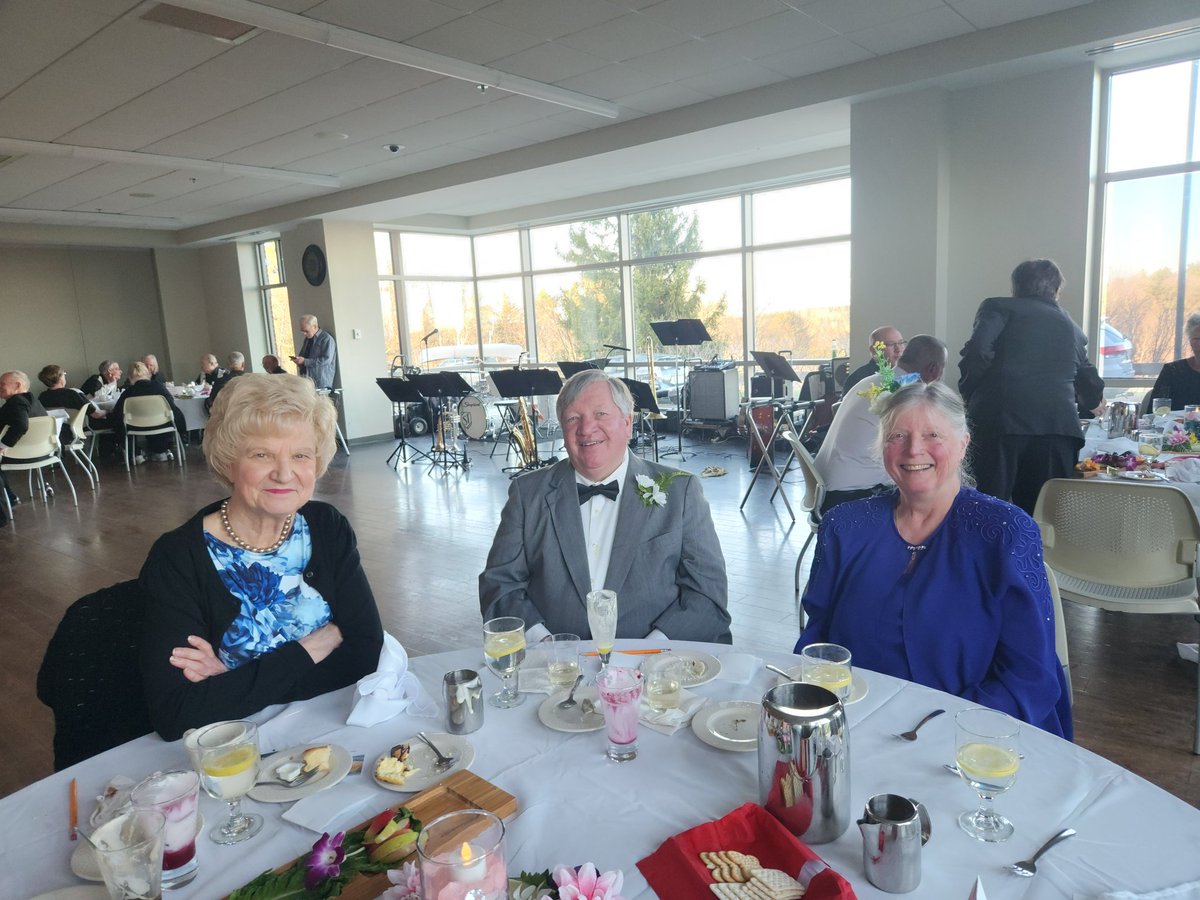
x: 424, y: 538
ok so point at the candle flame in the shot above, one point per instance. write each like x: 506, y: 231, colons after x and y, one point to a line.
x: 466, y: 853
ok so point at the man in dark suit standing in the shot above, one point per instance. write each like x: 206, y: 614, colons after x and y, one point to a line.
x: 604, y: 518
x: 1023, y: 372
x: 318, y: 354
x: 19, y: 406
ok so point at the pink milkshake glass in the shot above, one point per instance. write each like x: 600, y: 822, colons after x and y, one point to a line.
x: 620, y: 691
x: 175, y: 794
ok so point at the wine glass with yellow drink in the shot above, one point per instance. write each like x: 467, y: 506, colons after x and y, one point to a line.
x: 504, y: 651
x: 988, y: 757
x: 228, y: 767
x: 827, y: 665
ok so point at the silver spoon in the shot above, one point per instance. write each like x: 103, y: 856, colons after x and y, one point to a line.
x: 571, y: 701
x: 911, y: 735
x: 779, y: 671
x: 1028, y: 867
x: 443, y: 761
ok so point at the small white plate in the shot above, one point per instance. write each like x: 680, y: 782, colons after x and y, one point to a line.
x: 858, y: 689
x: 571, y: 720
x: 730, y: 725
x: 423, y: 759
x: 339, y: 768
x: 1144, y: 475
x: 698, y: 667
x: 77, y: 892
x: 83, y: 857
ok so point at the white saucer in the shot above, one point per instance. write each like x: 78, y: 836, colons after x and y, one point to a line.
x: 339, y: 768
x: 571, y: 720
x: 83, y: 857
x: 698, y: 667
x: 423, y: 759
x: 729, y: 725
x: 1144, y: 475
x: 76, y: 892
x: 858, y: 688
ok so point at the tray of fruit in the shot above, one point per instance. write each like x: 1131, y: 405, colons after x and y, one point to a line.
x: 1113, y: 463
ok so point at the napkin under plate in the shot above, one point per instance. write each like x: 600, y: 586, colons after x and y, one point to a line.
x: 739, y: 668
x: 669, y: 721
x: 1188, y: 891
x: 342, y: 806
x: 390, y: 690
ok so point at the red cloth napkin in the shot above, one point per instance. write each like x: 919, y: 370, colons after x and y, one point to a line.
x: 675, y: 870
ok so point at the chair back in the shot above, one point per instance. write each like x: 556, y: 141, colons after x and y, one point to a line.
x: 90, y: 675
x: 1060, y: 627
x: 40, y: 441
x: 814, y: 484
x: 78, y: 424
x: 1120, y: 545
x: 150, y: 411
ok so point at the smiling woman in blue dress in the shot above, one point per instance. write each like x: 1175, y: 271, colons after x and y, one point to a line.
x: 935, y: 582
x: 260, y: 598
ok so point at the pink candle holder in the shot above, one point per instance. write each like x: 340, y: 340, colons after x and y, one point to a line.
x: 462, y: 857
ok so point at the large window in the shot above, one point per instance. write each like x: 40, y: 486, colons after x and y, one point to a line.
x: 272, y: 285
x: 1150, y: 270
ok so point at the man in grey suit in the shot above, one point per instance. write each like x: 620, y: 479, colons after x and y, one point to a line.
x: 592, y: 522
x: 318, y: 354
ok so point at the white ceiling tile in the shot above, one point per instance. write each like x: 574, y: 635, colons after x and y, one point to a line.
x: 550, y: 19
x: 774, y: 34
x: 466, y: 5
x: 700, y: 18
x: 844, y: 16
x: 26, y: 174
x: 80, y: 191
x: 549, y: 62
x: 383, y: 18
x: 624, y: 38
x: 912, y: 31
x: 34, y: 33
x: 827, y: 54
x: 990, y: 13
x: 495, y: 142
x: 683, y: 60
x: 661, y: 98
x: 545, y: 129
x: 609, y: 83
x: 731, y: 79
x: 475, y: 40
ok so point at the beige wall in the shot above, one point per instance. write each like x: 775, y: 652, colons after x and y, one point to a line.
x: 184, y: 312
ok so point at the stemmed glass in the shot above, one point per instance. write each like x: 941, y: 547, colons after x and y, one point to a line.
x: 602, y: 620
x: 228, y: 770
x: 987, y: 753
x: 504, y: 650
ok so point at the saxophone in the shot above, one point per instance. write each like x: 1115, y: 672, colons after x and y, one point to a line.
x: 652, y: 381
x: 524, y: 438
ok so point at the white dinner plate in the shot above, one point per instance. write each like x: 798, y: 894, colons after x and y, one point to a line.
x: 423, y: 759
x: 83, y: 857
x: 77, y: 892
x: 729, y: 725
x: 572, y: 720
x: 698, y: 667
x: 858, y: 689
x: 1143, y: 475
x: 339, y: 768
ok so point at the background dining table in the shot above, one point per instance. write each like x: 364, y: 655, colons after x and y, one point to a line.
x: 577, y: 806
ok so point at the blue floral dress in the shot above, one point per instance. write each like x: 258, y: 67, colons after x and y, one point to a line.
x: 277, y: 604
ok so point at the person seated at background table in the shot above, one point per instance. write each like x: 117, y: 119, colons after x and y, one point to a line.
x: 105, y: 386
x: 151, y: 362
x: 140, y: 385
x: 58, y: 396
x: 271, y: 366
x: 893, y: 345
x: 237, y: 366
x: 564, y: 532
x: 1180, y: 380
x: 935, y: 582
x: 260, y: 598
x: 210, y: 370
x: 19, y: 406
x: 849, y: 460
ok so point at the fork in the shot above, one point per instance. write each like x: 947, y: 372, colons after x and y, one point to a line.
x: 443, y: 761
x: 1028, y: 867
x: 911, y: 734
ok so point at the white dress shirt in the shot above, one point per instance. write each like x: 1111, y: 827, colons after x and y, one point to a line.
x: 849, y: 459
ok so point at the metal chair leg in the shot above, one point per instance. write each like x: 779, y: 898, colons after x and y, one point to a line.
x: 1196, y: 739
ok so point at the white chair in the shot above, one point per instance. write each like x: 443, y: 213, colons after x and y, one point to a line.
x: 144, y: 416
x: 1060, y: 629
x: 78, y: 446
x: 1122, y: 546
x: 810, y: 503
x: 36, y: 450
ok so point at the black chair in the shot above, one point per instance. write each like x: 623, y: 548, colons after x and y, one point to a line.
x: 90, y: 676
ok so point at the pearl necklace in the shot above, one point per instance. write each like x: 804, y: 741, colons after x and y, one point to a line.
x: 283, y: 534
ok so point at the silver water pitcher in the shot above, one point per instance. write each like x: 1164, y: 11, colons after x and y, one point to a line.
x: 804, y: 761
x: 894, y: 829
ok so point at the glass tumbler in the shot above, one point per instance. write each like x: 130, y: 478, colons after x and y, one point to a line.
x: 620, y: 692
x: 175, y: 794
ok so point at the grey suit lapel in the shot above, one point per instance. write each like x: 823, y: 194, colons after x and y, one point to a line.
x: 562, y: 504
x: 631, y: 522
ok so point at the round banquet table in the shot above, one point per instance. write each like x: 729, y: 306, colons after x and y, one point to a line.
x: 576, y: 806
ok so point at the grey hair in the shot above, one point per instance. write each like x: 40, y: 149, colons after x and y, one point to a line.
x: 936, y: 396
x: 1192, y: 325
x: 922, y: 350
x: 236, y: 359
x: 106, y: 365
x: 580, y: 381
x: 20, y: 377
x: 309, y: 319
x: 1039, y: 278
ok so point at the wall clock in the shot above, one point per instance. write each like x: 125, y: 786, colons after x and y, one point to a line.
x: 312, y: 263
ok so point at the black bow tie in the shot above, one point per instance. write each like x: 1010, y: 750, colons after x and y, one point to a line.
x: 588, y: 491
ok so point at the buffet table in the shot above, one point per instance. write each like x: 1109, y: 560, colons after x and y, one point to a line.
x: 576, y: 806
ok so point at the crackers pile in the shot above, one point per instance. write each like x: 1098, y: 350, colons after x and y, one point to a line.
x: 740, y: 876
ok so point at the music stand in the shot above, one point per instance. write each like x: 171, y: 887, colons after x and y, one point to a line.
x: 571, y: 367
x: 680, y: 333
x: 401, y: 392
x: 441, y: 388
x: 646, y: 403
x: 518, y: 384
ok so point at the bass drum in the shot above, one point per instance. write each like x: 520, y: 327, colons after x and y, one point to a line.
x: 479, y: 417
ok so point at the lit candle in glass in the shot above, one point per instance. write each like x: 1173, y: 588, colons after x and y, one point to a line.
x: 472, y: 865
x: 462, y: 857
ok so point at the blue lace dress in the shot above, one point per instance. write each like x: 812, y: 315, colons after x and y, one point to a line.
x: 969, y: 612
x: 277, y: 605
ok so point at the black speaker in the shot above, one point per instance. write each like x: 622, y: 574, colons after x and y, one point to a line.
x: 762, y: 385
x: 713, y: 395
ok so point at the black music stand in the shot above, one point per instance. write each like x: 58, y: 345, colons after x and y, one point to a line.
x: 401, y: 392
x: 439, y: 390
x: 646, y: 403
x: 570, y: 367
x: 519, y: 384
x: 680, y: 333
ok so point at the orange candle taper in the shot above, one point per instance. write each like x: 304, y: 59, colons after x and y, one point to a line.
x: 74, y: 807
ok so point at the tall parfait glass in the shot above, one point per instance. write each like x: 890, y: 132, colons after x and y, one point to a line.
x: 504, y: 651
x: 602, y: 620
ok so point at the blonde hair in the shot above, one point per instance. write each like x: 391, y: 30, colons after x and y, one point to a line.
x: 265, y: 405
x: 138, y: 371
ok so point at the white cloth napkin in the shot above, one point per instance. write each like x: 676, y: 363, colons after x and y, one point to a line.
x: 390, y: 690
x: 1189, y: 891
x: 977, y: 891
x: 342, y: 806
x: 669, y: 721
x: 1184, y: 470
x: 533, y: 681
x: 1188, y: 652
x: 739, y: 667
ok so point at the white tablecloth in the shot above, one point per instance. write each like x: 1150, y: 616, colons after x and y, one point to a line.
x: 577, y: 806
x: 1097, y: 441
x: 193, y: 412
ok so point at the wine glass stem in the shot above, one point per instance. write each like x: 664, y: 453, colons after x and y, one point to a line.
x: 987, y: 812
x: 235, y: 816
x: 506, y: 685
x: 604, y: 657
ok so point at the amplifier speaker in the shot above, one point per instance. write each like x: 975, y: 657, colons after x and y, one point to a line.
x: 765, y: 386
x: 713, y: 395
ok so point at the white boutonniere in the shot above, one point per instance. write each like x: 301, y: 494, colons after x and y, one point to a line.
x: 653, y: 491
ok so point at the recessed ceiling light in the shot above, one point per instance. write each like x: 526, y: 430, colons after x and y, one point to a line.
x: 142, y: 195
x: 331, y: 136
x: 393, y: 148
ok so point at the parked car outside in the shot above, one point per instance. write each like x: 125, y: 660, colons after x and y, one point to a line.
x: 1115, y: 359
